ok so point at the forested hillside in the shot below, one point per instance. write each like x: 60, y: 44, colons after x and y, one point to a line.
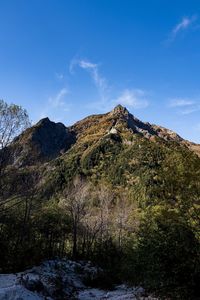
x: 111, y: 189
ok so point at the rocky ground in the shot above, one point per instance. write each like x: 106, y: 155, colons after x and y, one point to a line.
x: 62, y: 279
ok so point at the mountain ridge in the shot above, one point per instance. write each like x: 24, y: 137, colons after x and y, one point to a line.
x: 47, y: 140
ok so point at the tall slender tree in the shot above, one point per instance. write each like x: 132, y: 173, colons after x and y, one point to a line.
x: 13, y: 120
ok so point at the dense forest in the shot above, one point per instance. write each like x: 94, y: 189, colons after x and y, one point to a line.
x: 111, y: 189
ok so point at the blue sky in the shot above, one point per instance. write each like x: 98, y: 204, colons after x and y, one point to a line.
x: 68, y: 59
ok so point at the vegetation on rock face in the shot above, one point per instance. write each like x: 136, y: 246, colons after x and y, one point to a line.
x: 119, y: 192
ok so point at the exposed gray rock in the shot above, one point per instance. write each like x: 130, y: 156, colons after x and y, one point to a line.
x: 61, y: 279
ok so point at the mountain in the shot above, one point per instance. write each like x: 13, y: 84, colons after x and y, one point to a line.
x: 110, y: 188
x: 50, y: 154
x: 44, y: 141
x: 47, y: 140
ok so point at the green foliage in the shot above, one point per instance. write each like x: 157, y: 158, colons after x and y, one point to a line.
x: 100, y: 155
x: 166, y: 258
x: 27, y: 236
x: 141, y: 220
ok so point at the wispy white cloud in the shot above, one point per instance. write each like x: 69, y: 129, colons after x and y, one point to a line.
x: 180, y: 102
x: 56, y: 106
x: 93, y: 70
x: 190, y: 110
x: 134, y: 98
x: 59, y: 99
x: 184, y: 24
x: 185, y: 106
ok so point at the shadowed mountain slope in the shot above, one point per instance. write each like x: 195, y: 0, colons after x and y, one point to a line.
x: 42, y: 142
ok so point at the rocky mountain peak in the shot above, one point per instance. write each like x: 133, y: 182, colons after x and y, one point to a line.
x: 44, y: 121
x: 120, y: 110
x: 41, y: 143
x: 48, y: 140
